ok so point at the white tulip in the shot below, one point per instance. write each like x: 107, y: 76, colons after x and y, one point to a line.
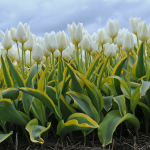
x: 45, y: 51
x: 86, y: 44
x: 134, y: 24
x: 143, y: 31
x: 75, y: 32
x: 62, y: 43
x: 56, y: 54
x: 2, y: 34
x: 128, y: 43
x: 37, y: 53
x: 13, y: 34
x: 31, y: 42
x: 112, y: 28
x: 21, y: 34
x: 110, y: 49
x: 7, y: 41
x: 101, y: 37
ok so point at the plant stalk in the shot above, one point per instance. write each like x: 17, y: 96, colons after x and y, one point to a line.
x: 22, y: 61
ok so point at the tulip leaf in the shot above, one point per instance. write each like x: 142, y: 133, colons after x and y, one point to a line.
x: 76, y: 82
x: 44, y: 98
x: 107, y: 101
x: 65, y: 108
x: 117, y: 71
x: 10, y: 114
x: 4, y: 136
x: 8, y: 79
x: 138, y: 69
x: 120, y: 100
x: 83, y: 103
x: 76, y: 121
x: 31, y: 74
x: 102, y: 71
x: 92, y: 68
x: 35, y: 130
x: 111, y: 121
x: 18, y: 78
x: 93, y: 93
x: 10, y: 93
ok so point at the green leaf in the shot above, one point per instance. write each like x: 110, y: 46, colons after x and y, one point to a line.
x: 107, y: 101
x: 36, y: 131
x: 76, y: 81
x: 44, y: 98
x: 10, y: 114
x: 60, y: 70
x: 84, y: 104
x: 93, y: 93
x: 111, y: 121
x: 41, y: 82
x: 18, y: 78
x: 102, y: 71
x: 117, y: 71
x: 8, y: 79
x: 92, y: 68
x: 120, y: 100
x: 4, y: 136
x: 122, y: 81
x: 138, y: 69
x: 32, y: 73
x: 77, y: 121
x: 135, y: 98
x: 10, y: 93
x: 65, y: 108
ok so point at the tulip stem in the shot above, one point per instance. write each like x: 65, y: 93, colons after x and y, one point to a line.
x: 56, y: 82
x: 137, y: 41
x: 25, y: 58
x: 37, y: 75
x: 85, y: 61
x: 46, y: 67
x: 18, y: 51
x: 30, y: 59
x: 77, y: 56
x: 128, y: 76
x: 22, y: 61
x: 81, y: 57
x: 112, y: 40
x: 145, y: 60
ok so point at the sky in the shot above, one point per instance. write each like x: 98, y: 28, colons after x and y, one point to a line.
x: 54, y: 15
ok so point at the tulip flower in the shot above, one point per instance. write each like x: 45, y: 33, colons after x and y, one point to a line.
x: 51, y: 43
x: 1, y: 35
x: 7, y: 41
x: 112, y: 28
x: 86, y: 44
x: 128, y: 43
x: 101, y: 37
x: 13, y: 34
x: 134, y: 24
x: 37, y: 55
x: 110, y: 49
x: 56, y: 54
x: 21, y: 34
x: 143, y: 31
x: 62, y: 43
x: 75, y: 33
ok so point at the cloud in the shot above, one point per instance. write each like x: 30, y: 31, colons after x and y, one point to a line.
x: 54, y: 15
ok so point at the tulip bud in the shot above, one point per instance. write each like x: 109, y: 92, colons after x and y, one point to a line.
x: 86, y: 44
x: 45, y: 51
x: 101, y: 37
x: 143, y: 31
x: 128, y: 43
x: 2, y: 35
x: 112, y: 28
x: 51, y: 42
x: 7, y: 42
x: 13, y: 34
x: 21, y: 34
x: 56, y: 53
x: 62, y: 43
x: 110, y: 49
x: 37, y: 53
x: 30, y: 42
x: 134, y: 24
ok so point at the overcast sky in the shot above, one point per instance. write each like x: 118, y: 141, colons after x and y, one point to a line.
x: 54, y: 15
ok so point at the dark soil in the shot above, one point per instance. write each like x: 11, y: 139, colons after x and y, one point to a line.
x: 124, y: 140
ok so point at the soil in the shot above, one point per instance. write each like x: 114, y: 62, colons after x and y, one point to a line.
x: 124, y: 140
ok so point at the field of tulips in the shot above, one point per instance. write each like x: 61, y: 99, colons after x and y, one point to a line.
x: 90, y: 82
